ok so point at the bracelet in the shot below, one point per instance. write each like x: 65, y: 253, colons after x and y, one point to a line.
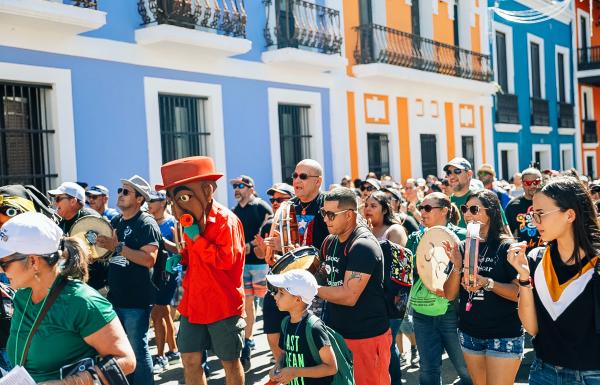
x: 456, y: 270
x: 526, y: 283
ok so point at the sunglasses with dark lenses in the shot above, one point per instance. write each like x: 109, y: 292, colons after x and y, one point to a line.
x: 473, y: 209
x: 331, y: 214
x: 456, y: 171
x: 60, y: 198
x: 368, y: 188
x: 428, y: 208
x: 124, y: 192
x: 238, y: 186
x: 4, y: 263
x: 530, y: 183
x: 279, y: 200
x: 9, y: 211
x: 303, y: 176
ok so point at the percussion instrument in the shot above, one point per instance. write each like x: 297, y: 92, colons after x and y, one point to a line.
x: 471, y: 254
x: 285, y: 225
x: 305, y: 258
x: 87, y: 229
x: 431, y: 256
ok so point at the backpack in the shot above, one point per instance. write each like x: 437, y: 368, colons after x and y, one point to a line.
x: 343, y: 355
x: 397, y: 278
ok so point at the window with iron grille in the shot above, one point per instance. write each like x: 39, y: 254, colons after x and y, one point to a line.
x: 468, y: 149
x: 26, y: 151
x: 294, y: 137
x: 183, y: 130
x: 379, y: 154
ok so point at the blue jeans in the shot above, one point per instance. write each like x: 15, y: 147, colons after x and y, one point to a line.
x: 433, y: 335
x: 136, y: 323
x: 395, y: 371
x: 546, y: 374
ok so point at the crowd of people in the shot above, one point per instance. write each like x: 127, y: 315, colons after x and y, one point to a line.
x: 523, y: 258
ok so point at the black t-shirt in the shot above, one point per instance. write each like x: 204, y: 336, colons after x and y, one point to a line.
x: 131, y: 284
x: 66, y: 224
x: 252, y: 216
x: 491, y: 316
x: 311, y: 226
x: 571, y: 341
x: 360, y: 253
x: 520, y: 220
x: 296, y: 352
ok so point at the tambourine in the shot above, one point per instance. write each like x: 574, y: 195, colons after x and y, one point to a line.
x: 304, y: 258
x: 431, y: 256
x: 87, y: 229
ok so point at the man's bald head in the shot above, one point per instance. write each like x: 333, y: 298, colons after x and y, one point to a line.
x: 313, y: 165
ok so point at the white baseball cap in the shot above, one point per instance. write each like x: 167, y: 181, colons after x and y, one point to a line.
x: 296, y: 282
x: 29, y: 233
x: 71, y: 189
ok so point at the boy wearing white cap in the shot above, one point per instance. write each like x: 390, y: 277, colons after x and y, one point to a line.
x: 296, y: 290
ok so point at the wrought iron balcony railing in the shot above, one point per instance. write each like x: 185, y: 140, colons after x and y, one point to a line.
x: 540, y: 112
x: 588, y: 58
x: 379, y: 44
x: 566, y: 115
x: 92, y: 4
x: 590, y: 134
x: 507, y: 108
x: 300, y: 23
x: 226, y: 16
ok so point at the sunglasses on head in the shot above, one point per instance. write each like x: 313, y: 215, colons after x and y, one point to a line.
x: 238, y: 186
x: 428, y: 208
x: 530, y: 183
x: 456, y: 171
x: 368, y: 188
x: 278, y: 200
x: 303, y: 176
x: 332, y: 214
x: 474, y: 209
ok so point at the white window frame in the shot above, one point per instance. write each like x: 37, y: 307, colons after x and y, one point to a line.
x: 59, y: 105
x: 589, y: 154
x: 567, y: 61
x: 581, y: 13
x: 214, y: 123
x: 510, y: 59
x: 531, y: 38
x: 543, y: 148
x: 513, y: 162
x: 566, y: 147
x: 590, y: 102
x: 279, y: 96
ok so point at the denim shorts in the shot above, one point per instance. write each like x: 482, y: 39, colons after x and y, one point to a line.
x: 545, y: 374
x: 511, y: 347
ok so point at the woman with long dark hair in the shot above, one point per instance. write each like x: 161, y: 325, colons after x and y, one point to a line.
x: 559, y: 296
x: 489, y: 329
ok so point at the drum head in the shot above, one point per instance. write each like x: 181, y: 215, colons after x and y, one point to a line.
x: 305, y: 258
x: 88, y: 229
x: 431, y: 257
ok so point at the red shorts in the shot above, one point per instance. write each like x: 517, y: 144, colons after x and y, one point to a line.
x: 371, y: 359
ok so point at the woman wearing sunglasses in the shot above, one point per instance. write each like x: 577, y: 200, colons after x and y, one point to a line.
x: 435, y: 329
x: 559, y: 297
x: 489, y: 329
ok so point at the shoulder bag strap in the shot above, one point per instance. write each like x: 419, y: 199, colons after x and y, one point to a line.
x: 310, y: 322
x: 51, y: 298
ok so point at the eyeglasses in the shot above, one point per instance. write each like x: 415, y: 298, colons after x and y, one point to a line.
x: 60, y: 198
x: 303, y: 176
x: 530, y: 183
x: 428, y: 208
x: 9, y: 211
x: 5, y: 263
x: 239, y: 186
x: 332, y: 214
x: 537, y: 217
x: 473, y: 209
x: 124, y: 191
x: 456, y: 171
x: 483, y: 173
x: 279, y: 200
x: 369, y: 188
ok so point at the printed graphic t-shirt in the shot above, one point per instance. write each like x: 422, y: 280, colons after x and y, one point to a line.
x: 296, y: 351
x: 311, y: 226
x: 520, y: 220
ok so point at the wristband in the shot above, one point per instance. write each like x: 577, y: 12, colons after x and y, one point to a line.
x: 526, y: 283
x: 119, y: 248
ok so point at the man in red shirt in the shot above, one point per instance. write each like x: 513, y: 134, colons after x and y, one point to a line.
x: 212, y: 307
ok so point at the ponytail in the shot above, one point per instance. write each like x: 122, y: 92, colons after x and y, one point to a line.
x: 75, y: 259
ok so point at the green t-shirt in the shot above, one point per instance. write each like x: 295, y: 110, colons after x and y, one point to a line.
x: 78, y: 312
x: 459, y: 201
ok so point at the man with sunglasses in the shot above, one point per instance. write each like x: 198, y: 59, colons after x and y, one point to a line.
x: 459, y: 174
x: 252, y: 212
x: 519, y: 211
x: 97, y: 197
x: 368, y: 187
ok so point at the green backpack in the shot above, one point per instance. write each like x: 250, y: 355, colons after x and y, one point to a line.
x: 343, y: 355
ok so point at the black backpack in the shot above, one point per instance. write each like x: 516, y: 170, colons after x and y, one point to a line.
x: 397, y: 277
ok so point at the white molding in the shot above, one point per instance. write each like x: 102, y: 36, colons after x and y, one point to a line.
x: 166, y: 36
x: 567, y: 75
x: 388, y: 72
x: 305, y: 59
x: 305, y: 98
x: 505, y: 127
x: 214, y: 121
x: 566, y: 147
x: 588, y: 37
x: 563, y: 17
x: 546, y: 158
x: 590, y: 146
x: 589, y: 91
x: 540, y: 129
x: 510, y: 59
x: 567, y: 131
x: 531, y: 38
x: 43, y: 15
x: 587, y: 73
x: 513, y: 161
x: 60, y: 113
x: 591, y: 154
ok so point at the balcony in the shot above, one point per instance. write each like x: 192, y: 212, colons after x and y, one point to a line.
x: 379, y: 44
x: 62, y: 17
x: 218, y: 26
x: 588, y: 65
x: 566, y: 115
x: 590, y: 134
x: 301, y: 33
x: 540, y: 113
x: 507, y: 109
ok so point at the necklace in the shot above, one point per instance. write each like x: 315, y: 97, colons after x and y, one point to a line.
x: 30, y: 330
x: 304, y: 207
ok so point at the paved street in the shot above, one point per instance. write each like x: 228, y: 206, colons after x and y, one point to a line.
x: 261, y: 366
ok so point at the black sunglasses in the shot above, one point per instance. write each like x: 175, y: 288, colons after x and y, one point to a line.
x: 239, y: 186
x: 126, y: 192
x: 303, y: 176
x: 368, y: 187
x: 456, y: 171
x: 473, y: 209
x: 332, y: 214
x: 278, y: 200
x: 428, y: 208
x: 5, y: 263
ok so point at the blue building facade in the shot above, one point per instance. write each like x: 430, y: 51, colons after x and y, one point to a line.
x: 98, y: 92
x: 535, y: 111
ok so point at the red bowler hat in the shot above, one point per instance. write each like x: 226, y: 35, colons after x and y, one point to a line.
x: 185, y: 170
